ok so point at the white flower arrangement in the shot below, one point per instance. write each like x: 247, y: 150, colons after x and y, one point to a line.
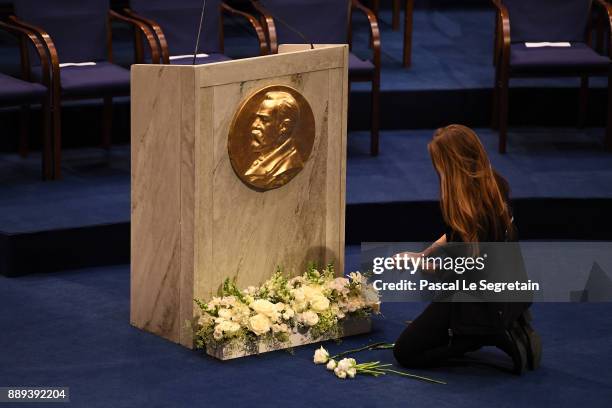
x: 315, y: 302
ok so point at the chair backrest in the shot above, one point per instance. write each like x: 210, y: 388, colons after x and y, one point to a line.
x: 548, y: 20
x: 78, y: 28
x: 180, y: 19
x: 320, y: 21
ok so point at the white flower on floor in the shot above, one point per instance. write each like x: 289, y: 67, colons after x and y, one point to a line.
x: 321, y: 356
x: 331, y: 364
x: 351, y: 372
x: 347, y: 367
x: 340, y: 373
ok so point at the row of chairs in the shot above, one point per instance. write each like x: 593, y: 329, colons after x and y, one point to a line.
x: 72, y: 48
x: 73, y: 43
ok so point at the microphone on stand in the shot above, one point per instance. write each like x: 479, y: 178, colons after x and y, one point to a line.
x: 197, y: 45
x: 289, y: 26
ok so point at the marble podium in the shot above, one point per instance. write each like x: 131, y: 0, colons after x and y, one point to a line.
x: 196, y: 220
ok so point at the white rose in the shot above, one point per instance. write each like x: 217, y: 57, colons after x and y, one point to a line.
x: 346, y: 363
x: 229, y: 327
x: 320, y: 356
x: 263, y: 306
x: 312, y: 292
x: 331, y: 364
x: 337, y: 312
x: 351, y: 372
x: 259, y: 324
x: 280, y: 328
x: 225, y: 314
x: 298, y: 306
x: 319, y: 303
x: 298, y: 295
x: 340, y: 373
x: 309, y: 318
x: 279, y: 307
x: 288, y: 313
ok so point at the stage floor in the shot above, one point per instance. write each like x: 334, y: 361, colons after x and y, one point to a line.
x: 72, y: 329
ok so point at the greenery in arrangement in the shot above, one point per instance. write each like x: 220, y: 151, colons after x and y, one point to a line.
x: 314, y: 304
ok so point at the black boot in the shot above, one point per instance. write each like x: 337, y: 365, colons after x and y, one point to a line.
x: 533, y: 341
x: 512, y: 342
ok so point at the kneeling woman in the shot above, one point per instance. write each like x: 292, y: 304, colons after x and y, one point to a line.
x: 474, y: 203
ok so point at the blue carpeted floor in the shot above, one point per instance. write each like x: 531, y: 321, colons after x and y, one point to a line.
x: 72, y: 329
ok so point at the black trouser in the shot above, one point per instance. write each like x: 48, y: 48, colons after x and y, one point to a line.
x: 428, y: 341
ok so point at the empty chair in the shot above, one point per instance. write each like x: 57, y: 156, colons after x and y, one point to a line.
x: 522, y: 26
x: 326, y: 22
x: 78, y: 39
x: 176, y: 23
x: 23, y: 92
x: 395, y: 24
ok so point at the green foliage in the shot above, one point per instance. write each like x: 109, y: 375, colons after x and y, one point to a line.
x: 230, y: 288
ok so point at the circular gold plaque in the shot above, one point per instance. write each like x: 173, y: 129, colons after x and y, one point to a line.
x: 271, y: 137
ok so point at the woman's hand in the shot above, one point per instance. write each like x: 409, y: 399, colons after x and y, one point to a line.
x: 417, y: 260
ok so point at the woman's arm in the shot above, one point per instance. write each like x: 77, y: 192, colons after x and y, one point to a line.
x: 440, y: 242
x: 425, y: 253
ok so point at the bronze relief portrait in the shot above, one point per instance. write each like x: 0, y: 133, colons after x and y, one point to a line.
x: 271, y: 137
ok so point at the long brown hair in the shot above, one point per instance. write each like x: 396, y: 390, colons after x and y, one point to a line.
x: 473, y: 195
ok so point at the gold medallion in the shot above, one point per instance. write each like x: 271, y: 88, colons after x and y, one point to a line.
x: 271, y: 137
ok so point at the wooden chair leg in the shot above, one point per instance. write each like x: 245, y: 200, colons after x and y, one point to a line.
x: 375, y: 117
x: 107, y: 123
x: 56, y: 119
x: 47, y: 142
x: 495, y: 107
x: 24, y: 131
x: 395, y: 22
x: 495, y: 39
x: 408, y: 28
x: 138, y: 47
x: 584, y: 99
x: 376, y: 7
x: 503, y: 114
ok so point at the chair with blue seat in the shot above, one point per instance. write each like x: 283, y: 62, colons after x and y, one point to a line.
x: 23, y: 92
x: 326, y: 22
x: 175, y: 24
x: 395, y: 24
x: 566, y: 26
x: 78, y: 40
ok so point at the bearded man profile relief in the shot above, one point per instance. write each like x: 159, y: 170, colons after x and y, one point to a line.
x: 272, y: 138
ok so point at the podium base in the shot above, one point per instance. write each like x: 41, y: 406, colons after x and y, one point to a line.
x: 350, y: 327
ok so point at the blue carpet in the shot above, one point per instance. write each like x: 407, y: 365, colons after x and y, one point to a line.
x: 72, y: 329
x: 540, y: 163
